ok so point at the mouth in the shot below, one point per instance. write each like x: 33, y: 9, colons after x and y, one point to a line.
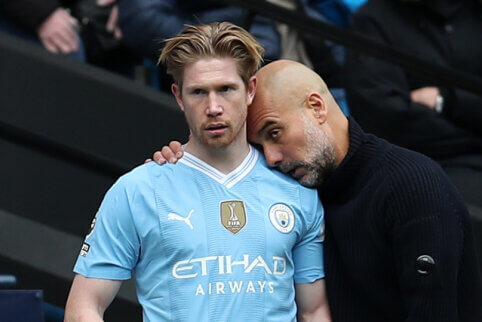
x: 297, y: 173
x: 293, y: 173
x: 216, y: 128
x: 288, y: 171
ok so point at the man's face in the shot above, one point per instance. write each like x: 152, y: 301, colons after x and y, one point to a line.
x: 291, y: 140
x: 214, y: 99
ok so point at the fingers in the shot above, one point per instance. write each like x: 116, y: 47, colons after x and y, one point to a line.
x: 117, y: 33
x: 168, y: 154
x: 158, y: 158
x: 113, y: 17
x: 49, y: 45
x: 60, y: 42
x: 171, y: 153
x: 147, y: 160
x: 57, y: 32
x: 112, y: 23
x: 176, y: 148
x: 66, y: 40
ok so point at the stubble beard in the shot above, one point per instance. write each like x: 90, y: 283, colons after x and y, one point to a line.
x: 320, y: 157
x: 217, y: 141
x: 233, y: 130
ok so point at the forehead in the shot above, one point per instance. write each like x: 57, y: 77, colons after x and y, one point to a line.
x: 266, y: 111
x: 208, y: 71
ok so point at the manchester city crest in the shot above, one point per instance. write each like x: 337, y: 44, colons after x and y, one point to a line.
x: 282, y: 217
x: 233, y: 215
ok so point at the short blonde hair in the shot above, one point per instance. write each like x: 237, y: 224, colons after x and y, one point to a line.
x: 214, y: 40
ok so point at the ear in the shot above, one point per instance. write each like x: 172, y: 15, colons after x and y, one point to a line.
x: 251, y: 89
x: 176, y: 91
x: 318, y: 107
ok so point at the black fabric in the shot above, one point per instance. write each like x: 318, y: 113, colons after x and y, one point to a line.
x: 379, y: 93
x: 324, y: 64
x: 361, y: 43
x: 100, y: 44
x: 31, y: 13
x: 384, y: 207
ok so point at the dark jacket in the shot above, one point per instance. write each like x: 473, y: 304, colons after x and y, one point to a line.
x: 379, y: 93
x: 31, y: 13
x: 146, y: 23
x: 386, y: 206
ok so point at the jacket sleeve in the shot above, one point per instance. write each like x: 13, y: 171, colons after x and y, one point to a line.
x: 29, y: 13
x: 426, y: 224
x: 379, y: 97
x: 464, y: 109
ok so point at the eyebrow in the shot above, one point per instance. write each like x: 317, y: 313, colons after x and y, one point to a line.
x: 216, y: 86
x: 263, y: 128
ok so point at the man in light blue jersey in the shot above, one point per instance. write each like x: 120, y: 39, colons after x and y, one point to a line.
x: 218, y: 236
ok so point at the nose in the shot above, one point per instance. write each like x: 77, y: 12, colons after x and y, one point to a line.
x: 273, y: 156
x: 213, y: 108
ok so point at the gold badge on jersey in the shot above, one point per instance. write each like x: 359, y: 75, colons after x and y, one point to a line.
x: 233, y: 215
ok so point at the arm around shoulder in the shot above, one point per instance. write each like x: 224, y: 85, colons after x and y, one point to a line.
x: 89, y: 298
x: 312, y: 302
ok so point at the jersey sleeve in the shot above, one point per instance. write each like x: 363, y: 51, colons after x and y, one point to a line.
x: 308, y: 252
x: 111, y: 248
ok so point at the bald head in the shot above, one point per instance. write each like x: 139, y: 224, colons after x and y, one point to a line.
x: 288, y: 84
x: 289, y: 78
x: 287, y: 90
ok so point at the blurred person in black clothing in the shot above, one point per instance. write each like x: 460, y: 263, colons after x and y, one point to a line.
x: 443, y: 123
x: 145, y: 24
x: 46, y: 19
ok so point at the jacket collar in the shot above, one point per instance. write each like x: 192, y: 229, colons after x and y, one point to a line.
x: 348, y: 168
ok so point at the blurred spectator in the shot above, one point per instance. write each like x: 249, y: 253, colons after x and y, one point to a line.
x: 84, y: 29
x: 324, y: 57
x: 321, y: 56
x: 102, y: 36
x: 417, y: 113
x: 43, y: 20
x: 296, y: 46
x: 291, y: 43
x: 327, y: 57
x: 146, y: 23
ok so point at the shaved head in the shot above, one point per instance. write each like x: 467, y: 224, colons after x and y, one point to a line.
x: 291, y: 78
x: 286, y: 81
x: 298, y: 123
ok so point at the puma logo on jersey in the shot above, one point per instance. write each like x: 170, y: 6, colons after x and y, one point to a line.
x: 186, y: 220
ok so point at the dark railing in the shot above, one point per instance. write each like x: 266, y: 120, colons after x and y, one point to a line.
x: 58, y: 150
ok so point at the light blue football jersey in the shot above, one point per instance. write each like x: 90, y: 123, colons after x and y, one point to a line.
x: 205, y: 246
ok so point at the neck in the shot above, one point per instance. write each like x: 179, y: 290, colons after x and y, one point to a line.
x: 342, y: 139
x: 226, y: 158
